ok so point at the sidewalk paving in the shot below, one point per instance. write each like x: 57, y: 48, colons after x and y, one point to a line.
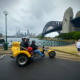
x: 2, y: 51
x: 61, y: 55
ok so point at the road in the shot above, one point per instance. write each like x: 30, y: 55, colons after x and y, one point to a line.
x: 39, y: 69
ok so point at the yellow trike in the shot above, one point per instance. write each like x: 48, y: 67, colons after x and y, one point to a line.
x: 23, y: 56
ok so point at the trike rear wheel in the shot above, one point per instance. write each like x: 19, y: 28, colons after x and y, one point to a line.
x: 21, y: 60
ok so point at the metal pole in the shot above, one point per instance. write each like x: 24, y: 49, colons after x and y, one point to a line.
x: 6, y: 45
x: 6, y: 27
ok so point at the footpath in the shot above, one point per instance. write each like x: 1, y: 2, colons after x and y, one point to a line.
x: 7, y: 52
x: 59, y: 54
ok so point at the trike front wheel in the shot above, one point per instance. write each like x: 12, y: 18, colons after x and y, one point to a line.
x: 52, y: 54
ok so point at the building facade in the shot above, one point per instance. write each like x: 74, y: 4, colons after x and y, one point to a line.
x: 68, y: 26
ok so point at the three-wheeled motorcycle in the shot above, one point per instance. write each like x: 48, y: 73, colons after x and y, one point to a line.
x: 23, y: 56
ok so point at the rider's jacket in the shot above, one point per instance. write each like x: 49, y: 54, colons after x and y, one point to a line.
x: 34, y: 47
x: 27, y: 44
x: 23, y: 44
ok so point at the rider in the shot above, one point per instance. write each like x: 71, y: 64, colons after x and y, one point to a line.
x: 35, y: 48
x: 23, y: 44
x: 27, y: 43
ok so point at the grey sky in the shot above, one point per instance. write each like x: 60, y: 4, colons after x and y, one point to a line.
x: 34, y: 14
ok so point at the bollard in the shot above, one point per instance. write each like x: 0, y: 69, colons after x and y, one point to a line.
x: 5, y: 46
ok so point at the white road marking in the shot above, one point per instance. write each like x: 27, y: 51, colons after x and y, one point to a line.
x: 2, y: 56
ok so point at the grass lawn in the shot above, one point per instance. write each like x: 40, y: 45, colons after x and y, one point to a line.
x: 68, y: 49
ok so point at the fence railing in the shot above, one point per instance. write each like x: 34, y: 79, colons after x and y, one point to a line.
x: 47, y: 43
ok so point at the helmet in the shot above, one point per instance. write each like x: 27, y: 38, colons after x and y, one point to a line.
x: 30, y: 49
x: 27, y: 39
x: 23, y: 38
x: 33, y: 41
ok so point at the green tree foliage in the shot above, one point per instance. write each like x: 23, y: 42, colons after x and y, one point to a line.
x: 41, y: 37
x: 77, y: 35
x: 62, y: 35
x: 70, y: 35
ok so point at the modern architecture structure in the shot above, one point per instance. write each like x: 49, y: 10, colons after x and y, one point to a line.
x: 69, y: 23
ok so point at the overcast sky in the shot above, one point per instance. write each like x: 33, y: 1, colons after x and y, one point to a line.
x: 33, y: 14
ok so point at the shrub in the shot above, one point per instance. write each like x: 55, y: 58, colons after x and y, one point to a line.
x: 41, y: 37
x: 70, y: 35
x: 77, y: 35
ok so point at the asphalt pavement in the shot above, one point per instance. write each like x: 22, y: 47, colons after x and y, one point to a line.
x: 39, y: 68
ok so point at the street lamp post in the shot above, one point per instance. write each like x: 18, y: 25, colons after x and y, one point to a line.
x: 6, y: 44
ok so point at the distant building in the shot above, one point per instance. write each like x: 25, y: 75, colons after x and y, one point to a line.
x: 34, y: 35
x: 39, y: 35
x: 22, y: 35
x: 18, y: 34
x: 1, y: 35
x: 25, y: 34
x: 31, y: 35
x: 28, y: 34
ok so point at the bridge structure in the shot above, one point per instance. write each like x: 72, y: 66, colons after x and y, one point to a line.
x: 69, y: 24
x: 76, y: 22
x: 51, y: 27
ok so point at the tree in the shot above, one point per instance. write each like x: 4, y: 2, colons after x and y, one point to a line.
x: 70, y: 35
x: 41, y: 37
x: 77, y: 35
